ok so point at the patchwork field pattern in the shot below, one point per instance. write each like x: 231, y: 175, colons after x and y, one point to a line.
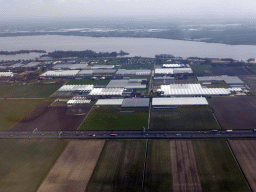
x: 24, y: 163
x: 32, y: 91
x: 183, y: 119
x: 235, y: 112
x: 115, y: 118
x: 120, y: 167
x: 185, y: 176
x: 245, y: 151
x: 11, y: 111
x: 218, y: 169
x: 73, y: 169
x: 52, y: 118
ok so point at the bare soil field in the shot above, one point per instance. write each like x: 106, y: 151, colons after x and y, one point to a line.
x: 250, y: 81
x: 73, y: 169
x: 218, y: 169
x: 245, y: 152
x: 120, y: 167
x: 52, y: 118
x: 183, y: 118
x: 237, y: 112
x: 185, y: 175
x: 158, y: 173
x: 229, y: 70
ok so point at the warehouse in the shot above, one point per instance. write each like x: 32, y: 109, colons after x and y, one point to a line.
x: 61, y: 73
x: 191, y: 90
x: 178, y: 101
x: 128, y: 84
x: 135, y: 102
x: 129, y: 73
x: 104, y: 71
x: 163, y: 80
x: 162, y: 71
x: 109, y: 102
x: 107, y: 91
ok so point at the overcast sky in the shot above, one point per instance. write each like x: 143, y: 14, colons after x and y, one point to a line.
x: 103, y: 8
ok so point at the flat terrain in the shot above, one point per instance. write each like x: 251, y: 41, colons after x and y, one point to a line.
x: 120, y: 167
x: 201, y: 70
x: 237, y: 112
x: 158, y: 173
x: 32, y: 91
x: 137, y: 67
x: 5, y: 88
x: 245, y: 151
x: 191, y: 118
x: 110, y: 118
x: 87, y: 81
x: 185, y: 175
x: 11, y: 111
x: 52, y: 118
x: 25, y: 163
x: 250, y: 81
x: 73, y: 169
x: 218, y: 169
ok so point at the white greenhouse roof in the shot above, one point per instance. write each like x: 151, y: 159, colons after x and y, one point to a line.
x: 163, y: 71
x: 191, y: 89
x: 226, y: 78
x: 60, y: 73
x: 76, y: 88
x: 6, y: 74
x: 109, y: 102
x: 106, y: 91
x: 180, y: 101
x: 78, y: 101
x: 182, y: 70
x: 173, y: 65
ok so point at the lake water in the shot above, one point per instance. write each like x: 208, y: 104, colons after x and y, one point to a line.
x: 146, y: 47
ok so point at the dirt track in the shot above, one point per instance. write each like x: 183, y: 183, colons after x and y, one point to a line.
x: 245, y: 152
x: 185, y: 176
x: 73, y: 170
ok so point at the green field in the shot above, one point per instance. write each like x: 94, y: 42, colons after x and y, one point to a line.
x: 189, y: 118
x: 217, y: 167
x: 201, y: 70
x: 137, y: 66
x: 87, y: 81
x: 110, y: 118
x: 5, y: 88
x: 253, y: 67
x: 120, y: 167
x: 11, y: 111
x: 158, y: 175
x: 32, y: 91
x: 25, y: 163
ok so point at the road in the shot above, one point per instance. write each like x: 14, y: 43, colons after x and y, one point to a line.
x: 130, y: 134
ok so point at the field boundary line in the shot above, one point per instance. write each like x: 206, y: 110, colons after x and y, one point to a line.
x: 149, y: 112
x: 145, y: 160
x: 53, y: 165
x: 238, y: 165
x: 23, y: 117
x: 217, y: 120
x: 84, y: 118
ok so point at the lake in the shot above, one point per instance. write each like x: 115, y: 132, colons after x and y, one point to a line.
x: 146, y: 47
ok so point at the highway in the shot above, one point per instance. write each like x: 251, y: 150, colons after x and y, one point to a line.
x: 129, y: 134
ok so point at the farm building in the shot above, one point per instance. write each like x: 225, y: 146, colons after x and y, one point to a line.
x: 6, y: 74
x: 128, y: 84
x: 178, y: 101
x: 230, y: 80
x: 109, y: 102
x: 124, y: 72
x: 102, y: 67
x: 107, y: 91
x: 32, y: 64
x: 76, y: 88
x: 190, y: 90
x: 78, y: 100
x: 104, y: 71
x: 70, y: 66
x: 173, y: 65
x: 84, y: 73
x: 135, y: 102
x: 61, y: 73
x: 164, y: 80
x: 182, y: 70
x: 17, y: 65
x: 163, y: 71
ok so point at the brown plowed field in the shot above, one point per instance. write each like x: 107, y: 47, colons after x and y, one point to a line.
x: 52, y: 118
x: 185, y: 176
x: 245, y: 152
x: 73, y: 170
x: 250, y: 81
x: 235, y: 112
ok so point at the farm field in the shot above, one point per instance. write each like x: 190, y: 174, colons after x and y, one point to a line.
x: 201, y: 70
x: 218, y: 169
x: 110, y: 118
x: 184, y: 118
x: 24, y: 163
x: 189, y: 80
x: 11, y: 111
x: 32, y: 91
x: 52, y: 118
x: 137, y: 67
x: 158, y: 173
x: 5, y: 88
x: 244, y: 151
x: 185, y: 175
x: 235, y: 112
x: 250, y: 81
x: 120, y: 167
x: 73, y: 169
x: 87, y: 81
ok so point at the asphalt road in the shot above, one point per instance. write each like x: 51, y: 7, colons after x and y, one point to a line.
x: 130, y: 134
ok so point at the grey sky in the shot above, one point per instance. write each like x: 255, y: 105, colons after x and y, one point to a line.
x: 84, y: 8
